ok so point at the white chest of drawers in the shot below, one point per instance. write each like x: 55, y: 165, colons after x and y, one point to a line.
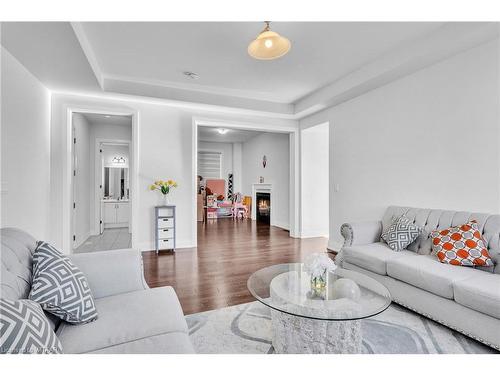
x: 165, y: 228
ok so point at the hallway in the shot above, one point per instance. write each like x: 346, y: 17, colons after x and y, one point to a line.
x: 110, y: 239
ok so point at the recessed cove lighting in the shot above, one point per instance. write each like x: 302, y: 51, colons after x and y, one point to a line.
x: 191, y: 75
x: 107, y: 116
x: 222, y: 131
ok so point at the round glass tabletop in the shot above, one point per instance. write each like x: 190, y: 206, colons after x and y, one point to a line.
x: 345, y: 295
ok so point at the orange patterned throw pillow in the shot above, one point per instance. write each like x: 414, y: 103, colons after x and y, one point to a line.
x: 462, y: 245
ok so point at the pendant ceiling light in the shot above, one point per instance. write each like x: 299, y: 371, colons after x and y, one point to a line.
x: 268, y: 45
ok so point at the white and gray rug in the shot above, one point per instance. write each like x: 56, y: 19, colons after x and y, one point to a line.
x: 246, y: 329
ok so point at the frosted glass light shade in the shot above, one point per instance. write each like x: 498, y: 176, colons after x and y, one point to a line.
x: 268, y: 46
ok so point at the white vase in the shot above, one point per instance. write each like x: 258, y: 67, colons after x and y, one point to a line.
x: 166, y: 200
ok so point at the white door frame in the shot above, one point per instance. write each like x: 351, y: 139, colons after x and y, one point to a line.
x: 294, y: 134
x: 74, y: 167
x: 98, y: 169
x: 67, y: 214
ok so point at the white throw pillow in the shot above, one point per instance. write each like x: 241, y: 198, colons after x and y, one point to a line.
x: 401, y: 233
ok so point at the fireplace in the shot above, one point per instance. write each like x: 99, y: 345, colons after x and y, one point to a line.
x: 263, y: 208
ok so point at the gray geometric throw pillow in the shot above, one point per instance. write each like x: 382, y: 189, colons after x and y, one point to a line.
x: 401, y: 233
x: 60, y: 287
x: 24, y: 329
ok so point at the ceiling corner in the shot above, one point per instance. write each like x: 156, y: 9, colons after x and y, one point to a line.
x: 88, y: 52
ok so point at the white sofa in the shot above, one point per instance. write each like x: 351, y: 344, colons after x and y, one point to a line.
x: 132, y: 317
x: 463, y: 298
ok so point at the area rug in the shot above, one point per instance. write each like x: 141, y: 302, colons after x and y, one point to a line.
x: 246, y: 329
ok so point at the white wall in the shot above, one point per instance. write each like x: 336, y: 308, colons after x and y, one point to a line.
x: 430, y: 139
x: 82, y: 194
x: 25, y: 154
x: 315, y: 182
x: 164, y: 141
x: 276, y: 147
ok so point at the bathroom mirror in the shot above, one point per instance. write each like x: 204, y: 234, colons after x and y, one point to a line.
x: 116, y: 183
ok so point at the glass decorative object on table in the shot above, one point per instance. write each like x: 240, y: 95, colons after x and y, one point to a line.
x: 318, y: 286
x: 317, y: 266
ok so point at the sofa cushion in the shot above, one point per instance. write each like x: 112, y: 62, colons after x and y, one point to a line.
x: 16, y: 252
x: 480, y: 293
x: 168, y: 343
x: 25, y: 329
x: 60, y: 287
x: 124, y: 318
x: 428, y: 273
x: 372, y: 257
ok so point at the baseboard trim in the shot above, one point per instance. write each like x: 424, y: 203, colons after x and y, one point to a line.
x: 281, y: 225
x: 150, y: 246
x: 313, y: 234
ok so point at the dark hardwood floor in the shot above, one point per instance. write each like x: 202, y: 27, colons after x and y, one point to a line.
x: 215, y: 274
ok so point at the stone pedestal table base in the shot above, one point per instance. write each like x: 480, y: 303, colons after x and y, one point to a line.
x: 297, y: 335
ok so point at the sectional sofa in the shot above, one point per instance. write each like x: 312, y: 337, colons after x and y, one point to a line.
x: 132, y: 318
x: 463, y: 298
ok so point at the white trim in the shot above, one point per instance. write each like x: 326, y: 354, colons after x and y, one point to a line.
x: 194, y: 179
x: 193, y: 87
x: 295, y: 172
x: 67, y: 194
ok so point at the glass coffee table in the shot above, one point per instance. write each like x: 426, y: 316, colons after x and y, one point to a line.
x: 307, y: 319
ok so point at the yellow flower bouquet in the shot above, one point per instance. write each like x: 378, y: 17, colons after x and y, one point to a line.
x: 164, y: 187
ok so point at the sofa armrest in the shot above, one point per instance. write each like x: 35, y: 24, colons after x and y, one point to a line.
x: 361, y: 233
x: 112, y: 272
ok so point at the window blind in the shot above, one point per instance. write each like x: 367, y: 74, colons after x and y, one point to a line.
x: 209, y: 164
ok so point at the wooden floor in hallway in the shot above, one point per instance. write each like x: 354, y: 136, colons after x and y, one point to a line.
x: 215, y: 274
